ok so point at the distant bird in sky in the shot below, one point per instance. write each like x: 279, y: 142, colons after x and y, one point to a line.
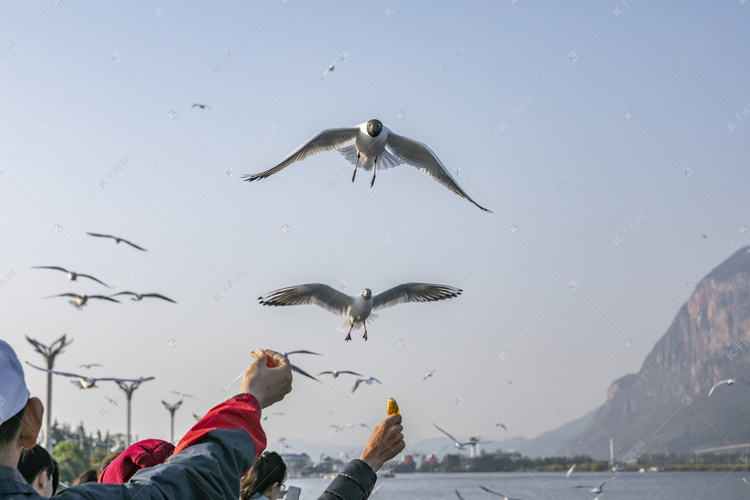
x: 72, y: 275
x: 596, y: 489
x: 458, y: 444
x: 85, y: 382
x: 367, y: 381
x: 182, y: 394
x: 497, y: 493
x: 328, y: 70
x: 570, y: 471
x: 265, y: 415
x: 88, y: 366
x: 141, y: 296
x: 357, y: 309
x: 117, y: 240
x: 201, y: 106
x: 428, y: 374
x: 361, y: 424
x: 375, y: 148
x: 501, y: 425
x: 336, y: 428
x: 197, y: 417
x: 729, y: 381
x: 81, y: 300
x: 336, y: 373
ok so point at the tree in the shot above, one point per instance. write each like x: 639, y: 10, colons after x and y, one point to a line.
x: 71, y: 460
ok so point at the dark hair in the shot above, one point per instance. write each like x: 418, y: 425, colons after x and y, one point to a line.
x: 108, y: 460
x: 87, y: 476
x: 9, y: 429
x: 35, y: 461
x: 265, y: 472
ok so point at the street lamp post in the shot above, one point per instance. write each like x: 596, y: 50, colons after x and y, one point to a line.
x: 171, y: 409
x: 128, y: 389
x: 50, y: 353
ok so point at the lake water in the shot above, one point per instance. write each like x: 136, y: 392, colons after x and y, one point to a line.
x: 550, y: 485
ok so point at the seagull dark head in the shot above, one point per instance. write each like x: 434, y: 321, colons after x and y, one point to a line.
x: 366, y: 293
x: 374, y: 127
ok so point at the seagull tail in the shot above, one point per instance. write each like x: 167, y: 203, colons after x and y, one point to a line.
x: 388, y: 160
x: 350, y: 153
x: 345, y: 325
x: 372, y: 317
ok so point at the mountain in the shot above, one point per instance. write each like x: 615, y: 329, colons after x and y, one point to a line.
x: 664, y: 408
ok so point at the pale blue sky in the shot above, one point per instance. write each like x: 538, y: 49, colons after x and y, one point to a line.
x: 574, y: 123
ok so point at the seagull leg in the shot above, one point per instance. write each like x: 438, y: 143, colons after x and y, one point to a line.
x: 374, y: 169
x: 365, y: 335
x: 355, y: 167
x: 349, y: 335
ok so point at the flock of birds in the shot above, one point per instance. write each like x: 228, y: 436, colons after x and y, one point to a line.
x: 81, y: 300
x: 591, y: 489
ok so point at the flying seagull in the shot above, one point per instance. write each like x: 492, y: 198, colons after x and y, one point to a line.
x: 202, y: 106
x: 85, y: 382
x: 81, y: 300
x: 358, y: 310
x: 336, y: 373
x: 328, y: 70
x: 501, y: 425
x: 117, y: 240
x: 72, y: 275
x: 336, y: 428
x: 367, y: 381
x: 744, y: 480
x: 570, y: 471
x: 428, y: 374
x: 729, y: 381
x: 375, y: 147
x: 458, y: 495
x: 596, y: 489
x: 141, y: 296
x: 458, y: 444
x: 182, y: 394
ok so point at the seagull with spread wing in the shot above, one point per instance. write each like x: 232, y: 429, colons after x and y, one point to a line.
x: 117, y: 240
x: 85, y: 382
x: 140, y: 296
x: 295, y: 368
x: 596, y: 489
x: 458, y: 444
x: 729, y: 381
x: 81, y: 300
x: 375, y: 148
x: 367, y: 381
x: 336, y: 373
x: 359, y: 309
x: 72, y: 275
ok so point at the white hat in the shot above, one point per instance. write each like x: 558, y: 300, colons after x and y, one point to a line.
x: 13, y: 391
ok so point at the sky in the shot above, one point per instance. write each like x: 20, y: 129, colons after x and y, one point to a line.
x: 609, y: 139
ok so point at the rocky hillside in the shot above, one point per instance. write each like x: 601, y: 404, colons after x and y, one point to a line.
x: 665, y: 408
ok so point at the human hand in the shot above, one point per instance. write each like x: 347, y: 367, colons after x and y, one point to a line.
x: 268, y: 378
x: 386, y: 441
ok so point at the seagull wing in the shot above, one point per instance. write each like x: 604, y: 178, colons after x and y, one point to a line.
x: 302, y: 372
x: 92, y: 278
x: 326, y: 140
x: 99, y: 235
x: 159, y: 296
x: 65, y: 374
x: 118, y: 380
x: 103, y: 297
x: 744, y: 480
x: 413, y: 292
x: 53, y: 267
x: 133, y: 245
x: 349, y: 372
x: 356, y: 384
x: 441, y: 430
x: 419, y: 155
x: 313, y: 293
x: 302, y: 352
x: 458, y: 495
x: 494, y: 492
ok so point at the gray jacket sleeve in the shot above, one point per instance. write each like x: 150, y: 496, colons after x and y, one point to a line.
x: 209, y: 469
x: 354, y: 482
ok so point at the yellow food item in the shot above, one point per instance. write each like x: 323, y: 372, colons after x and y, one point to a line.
x: 270, y: 363
x: 392, y: 407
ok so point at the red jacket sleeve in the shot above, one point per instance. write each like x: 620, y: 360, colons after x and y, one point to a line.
x: 240, y: 412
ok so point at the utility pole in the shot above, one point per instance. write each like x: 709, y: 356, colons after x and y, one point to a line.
x: 50, y: 353
x: 172, y: 409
